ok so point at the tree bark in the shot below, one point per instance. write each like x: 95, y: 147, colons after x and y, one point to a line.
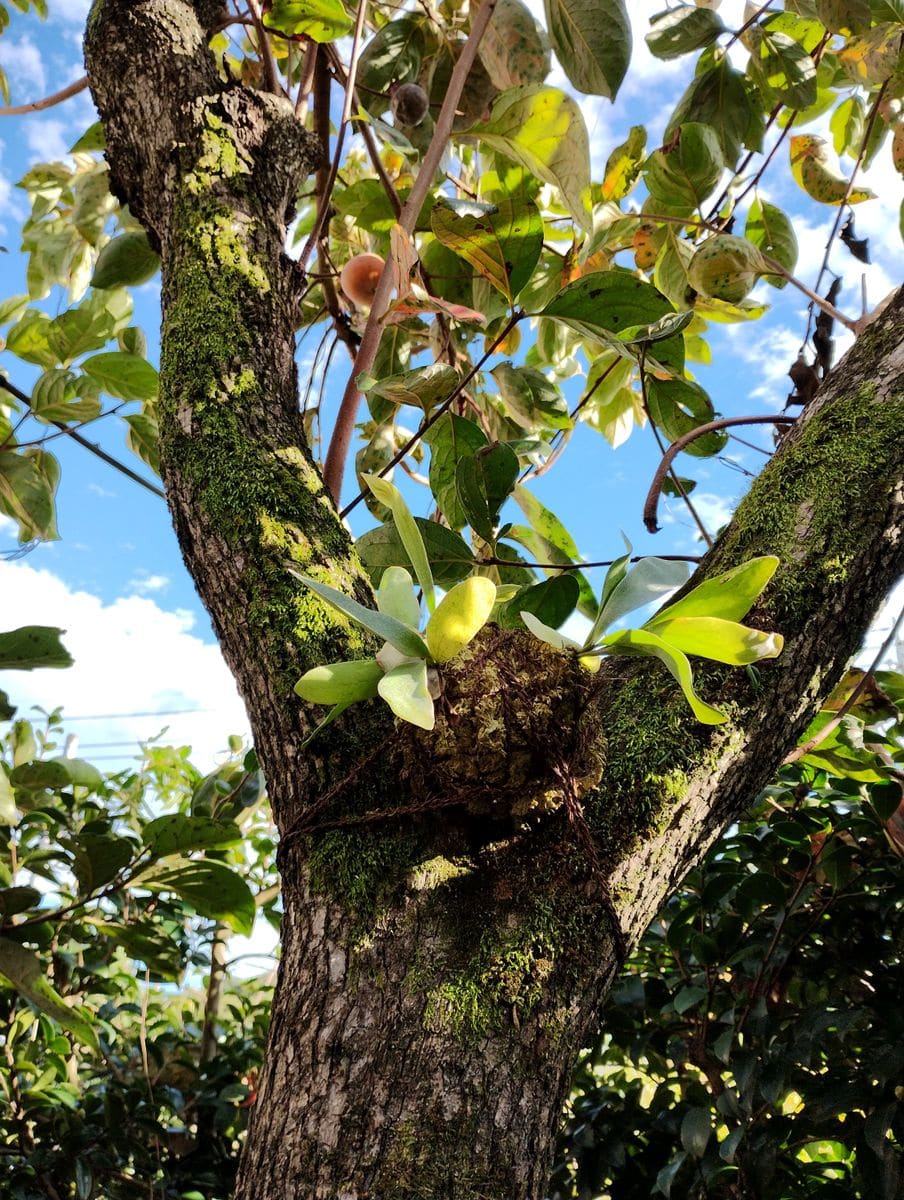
x: 457, y: 903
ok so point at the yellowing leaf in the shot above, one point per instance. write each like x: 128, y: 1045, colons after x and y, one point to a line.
x: 726, y: 268
x: 542, y: 128
x: 814, y: 171
x: 461, y: 613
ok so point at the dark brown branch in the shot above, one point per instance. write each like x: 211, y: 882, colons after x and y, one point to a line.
x: 652, y: 501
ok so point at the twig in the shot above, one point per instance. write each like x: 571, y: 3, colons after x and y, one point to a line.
x: 679, y: 486
x: 264, y: 49
x: 492, y: 561
x: 830, y: 726
x: 443, y: 408
x: 73, y: 89
x: 836, y: 224
x: 326, y: 195
x: 652, y: 501
x: 90, y: 446
x: 337, y: 453
x: 305, y: 80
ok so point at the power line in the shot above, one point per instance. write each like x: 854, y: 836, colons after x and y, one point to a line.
x: 168, y: 712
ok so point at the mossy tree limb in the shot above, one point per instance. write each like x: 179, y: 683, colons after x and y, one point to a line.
x: 441, y: 967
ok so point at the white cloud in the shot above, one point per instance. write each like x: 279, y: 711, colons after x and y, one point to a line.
x: 48, y: 137
x: 97, y: 490
x: 22, y: 61
x: 131, y: 656
x: 75, y: 11
x: 149, y: 583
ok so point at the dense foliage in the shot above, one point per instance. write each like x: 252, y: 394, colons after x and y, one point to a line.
x: 755, y: 1047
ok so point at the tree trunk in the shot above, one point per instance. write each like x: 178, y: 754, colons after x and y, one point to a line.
x: 457, y: 903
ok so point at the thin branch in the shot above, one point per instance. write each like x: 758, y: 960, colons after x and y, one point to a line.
x: 800, y: 752
x: 265, y: 50
x: 19, y: 110
x: 836, y: 224
x: 441, y: 410
x: 664, y: 468
x: 334, y: 468
x: 326, y: 195
x: 679, y: 486
x: 305, y: 81
x: 92, y: 447
x: 492, y: 561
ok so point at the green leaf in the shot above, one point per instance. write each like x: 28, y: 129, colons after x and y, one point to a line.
x: 501, y: 241
x: 393, y: 55
x: 514, y: 49
x: 8, y: 812
x: 552, y: 602
x: 100, y: 317
x: 12, y: 308
x: 396, y: 597
x: 451, y: 560
x: 645, y: 583
x: 98, y: 858
x: 142, y: 437
x: 24, y: 971
x: 386, y: 628
x: 27, y: 489
x: 729, y: 596
x: 605, y: 303
x: 29, y: 339
x: 531, y: 400
x: 123, y: 375
x: 423, y: 388
x: 772, y: 233
x: 718, y: 639
x: 680, y: 30
x: 61, y: 396
x: 484, y: 481
x: 32, y: 646
x: 542, y: 128
x: 81, y: 773
x: 340, y: 683
x: 696, y: 1129
x: 319, y: 20
x: 544, y: 551
x: 450, y: 439
x: 18, y: 899
x: 405, y: 690
x: 546, y: 523
x: 676, y: 407
x: 91, y: 140
x: 592, y: 41
x: 643, y: 642
x: 179, y: 833
x: 687, y: 168
x: 126, y: 261
x: 844, y: 16
x: 390, y: 495
x: 782, y: 68
x: 717, y: 97
x: 211, y: 888
x: 40, y: 775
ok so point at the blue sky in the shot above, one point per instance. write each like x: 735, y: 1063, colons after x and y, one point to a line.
x: 141, y: 639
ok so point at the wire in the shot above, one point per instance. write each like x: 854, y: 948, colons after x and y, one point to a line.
x: 169, y: 712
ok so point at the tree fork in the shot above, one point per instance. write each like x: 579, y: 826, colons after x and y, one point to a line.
x: 441, y: 968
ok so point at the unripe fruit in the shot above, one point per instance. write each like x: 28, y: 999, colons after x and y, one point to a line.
x: 726, y: 268
x: 461, y: 613
x: 409, y: 104
x: 360, y: 276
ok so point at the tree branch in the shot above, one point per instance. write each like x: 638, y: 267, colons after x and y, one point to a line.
x: 334, y: 467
